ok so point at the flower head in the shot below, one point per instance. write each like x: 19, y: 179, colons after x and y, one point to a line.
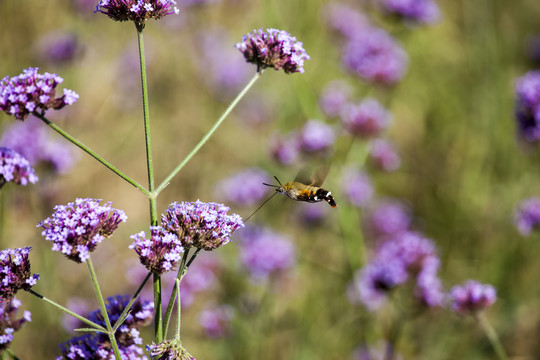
x: 367, y: 119
x: 160, y: 253
x: 389, y: 217
x: 137, y: 11
x: 357, y: 187
x: 528, y: 106
x: 316, y: 137
x: 334, y: 97
x: 416, y: 11
x: 527, y: 216
x: 15, y: 272
x: 244, y: 188
x: 9, y: 323
x: 15, y: 168
x: 169, y: 350
x: 375, y: 56
x: 345, y: 20
x: 383, y: 155
x: 216, y: 321
x: 472, y: 296
x: 78, y: 227
x: 92, y: 347
x: 274, y: 48
x: 58, y: 47
x: 284, y: 149
x: 202, y: 225
x: 32, y: 92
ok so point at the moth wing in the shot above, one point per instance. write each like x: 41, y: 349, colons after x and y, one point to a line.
x: 304, y: 175
x: 319, y: 175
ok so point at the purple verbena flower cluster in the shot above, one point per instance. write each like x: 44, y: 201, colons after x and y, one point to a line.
x: 316, y: 137
x: 334, y: 97
x: 275, y: 49
x: 528, y: 106
x: 202, y: 225
x: 159, y: 254
x: 384, y: 156
x: 137, y: 11
x: 472, y: 297
x: 357, y: 187
x: 97, y: 346
x: 169, y: 350
x: 527, y: 216
x: 284, y: 149
x: 367, y: 119
x: 216, y: 322
x: 404, y: 256
x: 388, y: 218
x: 58, y: 47
x: 244, y: 188
x: 15, y: 168
x: 415, y: 11
x: 15, y: 272
x: 9, y: 323
x: 31, y: 92
x: 78, y: 227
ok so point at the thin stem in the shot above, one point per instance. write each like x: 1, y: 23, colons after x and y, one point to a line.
x: 90, y: 152
x: 66, y: 310
x: 208, y: 134
x: 158, y: 316
x: 491, y: 335
x: 103, y: 308
x: 122, y: 316
x: 10, y: 353
x: 170, y: 304
x: 179, y: 315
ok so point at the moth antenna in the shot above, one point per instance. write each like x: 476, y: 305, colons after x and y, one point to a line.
x: 270, y: 185
x: 260, y: 206
x: 279, y: 182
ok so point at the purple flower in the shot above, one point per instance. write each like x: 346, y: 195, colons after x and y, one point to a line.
x: 383, y: 155
x: 334, y: 97
x: 78, y: 227
x: 15, y: 272
x: 357, y: 187
x: 245, y: 187
x: 15, y: 168
x: 202, y: 225
x: 137, y: 11
x: 169, y: 349
x: 9, y: 323
x: 58, y: 47
x: 472, y: 296
x: 416, y: 11
x: 528, y: 106
x: 316, y: 137
x: 390, y: 217
x: 274, y: 48
x: 216, y: 322
x: 92, y: 347
x: 367, y: 119
x: 284, y: 149
x: 344, y: 19
x: 31, y: 92
x: 264, y: 252
x: 527, y: 216
x: 32, y: 140
x: 375, y: 56
x: 160, y: 253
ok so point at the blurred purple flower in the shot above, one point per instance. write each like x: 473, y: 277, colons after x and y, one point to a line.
x: 527, y: 216
x: 311, y: 215
x: 58, y: 47
x: 375, y: 56
x: 284, y: 149
x: 77, y: 305
x: 137, y: 11
x: 415, y: 11
x: 201, y: 276
x: 159, y: 254
x: 528, y: 106
x: 244, y: 188
x: 169, y: 349
x: 32, y: 92
x: 15, y: 272
x: 383, y: 155
x: 31, y: 139
x: 334, y: 97
x: 216, y: 322
x: 389, y: 217
x: 357, y: 187
x: 264, y: 252
x: 472, y: 296
x: 15, y: 168
x: 274, y: 48
x: 9, y: 323
x: 367, y: 119
x: 85, y: 7
x: 316, y: 137
x: 78, y: 227
x: 202, y: 225
x: 344, y: 19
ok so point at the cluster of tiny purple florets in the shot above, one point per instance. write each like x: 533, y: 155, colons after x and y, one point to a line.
x: 15, y: 168
x: 32, y: 92
x: 15, y: 273
x: 417, y: 11
x: 528, y: 106
x: 472, y: 296
x: 137, y: 10
x: 78, y: 227
x: 202, y: 225
x: 274, y: 49
x: 9, y: 323
x: 169, y: 349
x: 367, y: 119
x: 160, y: 253
x: 527, y: 216
x: 97, y: 346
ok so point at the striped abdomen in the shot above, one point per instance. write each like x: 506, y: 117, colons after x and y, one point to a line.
x: 308, y: 193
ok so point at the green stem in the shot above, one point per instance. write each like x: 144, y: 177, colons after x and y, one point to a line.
x: 179, y: 316
x: 10, y: 354
x: 491, y: 335
x: 90, y: 152
x: 158, y: 316
x: 170, y: 305
x: 103, y: 308
x: 66, y: 310
x: 122, y: 316
x: 208, y: 134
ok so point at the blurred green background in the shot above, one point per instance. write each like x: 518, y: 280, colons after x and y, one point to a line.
x: 463, y: 171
